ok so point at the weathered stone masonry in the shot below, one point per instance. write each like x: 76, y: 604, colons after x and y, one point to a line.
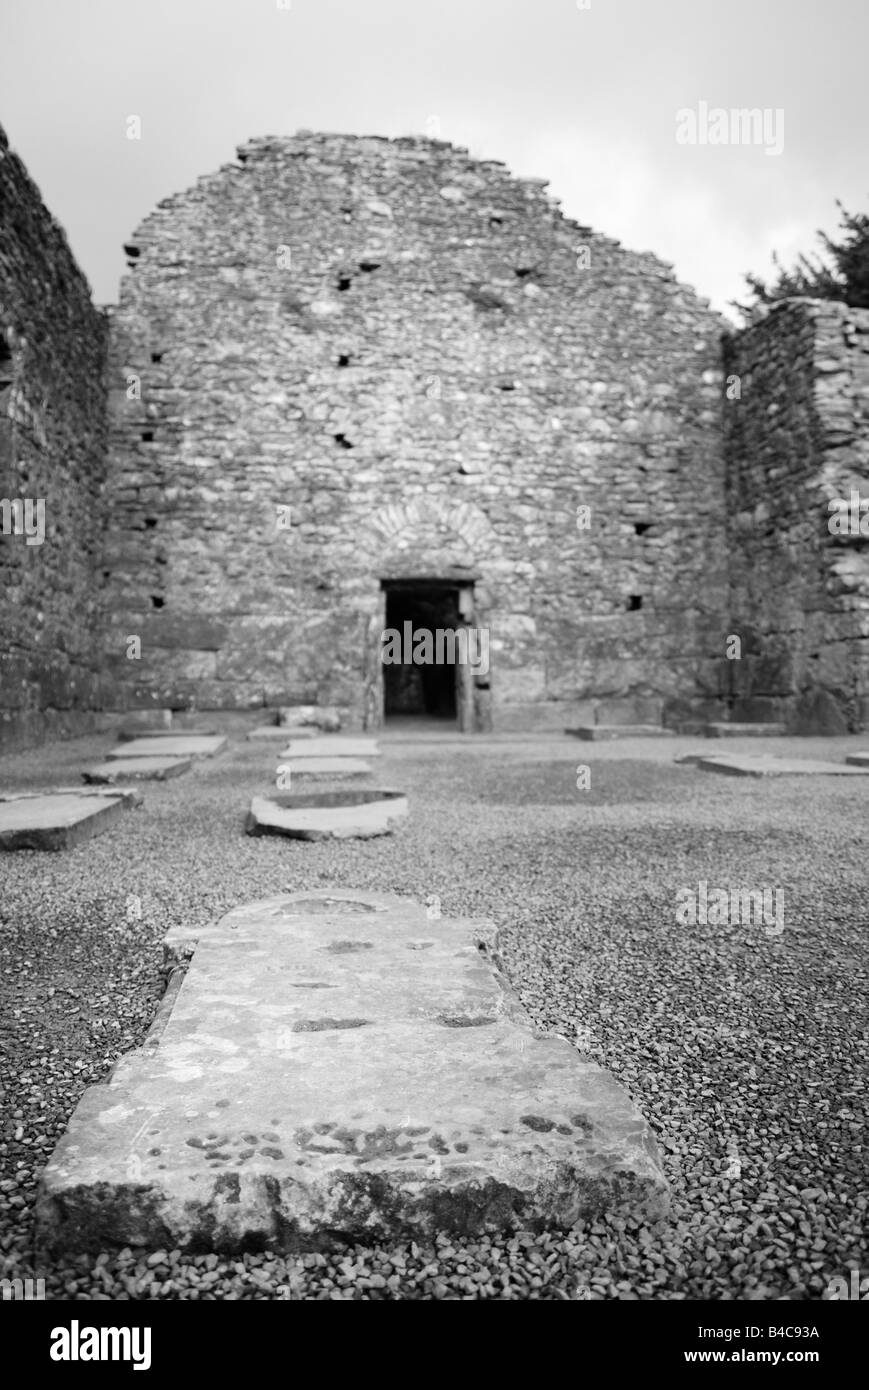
x: 346, y: 373
x: 797, y: 437
x: 52, y: 446
x: 396, y: 343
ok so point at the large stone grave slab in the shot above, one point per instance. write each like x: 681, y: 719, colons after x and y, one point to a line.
x: 170, y: 746
x: 769, y: 765
x: 333, y: 813
x: 858, y: 759
x: 136, y: 770
x: 326, y: 767
x: 593, y: 733
x: 60, y: 819
x: 336, y: 1068
x: 266, y: 732
x: 331, y: 747
x: 724, y: 730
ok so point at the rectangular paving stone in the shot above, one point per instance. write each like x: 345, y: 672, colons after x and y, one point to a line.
x: 326, y: 767
x: 331, y: 747
x: 58, y: 820
x: 271, y: 731
x: 595, y: 732
x: 338, y: 1067
x: 170, y: 746
x: 766, y: 765
x: 136, y: 770
x: 326, y: 813
x: 725, y: 730
x: 858, y: 759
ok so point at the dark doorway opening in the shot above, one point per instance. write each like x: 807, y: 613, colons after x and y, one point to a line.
x: 423, y: 691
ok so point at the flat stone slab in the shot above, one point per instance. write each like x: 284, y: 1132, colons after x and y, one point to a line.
x: 137, y: 770
x: 767, y: 765
x: 331, y: 747
x: 336, y: 1067
x: 165, y: 732
x: 170, y: 746
x: 326, y: 767
x: 594, y: 732
x: 722, y: 730
x: 60, y: 819
x: 326, y: 814
x: 270, y: 731
x: 858, y: 759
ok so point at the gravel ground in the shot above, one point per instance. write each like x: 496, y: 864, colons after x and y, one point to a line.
x: 745, y: 1050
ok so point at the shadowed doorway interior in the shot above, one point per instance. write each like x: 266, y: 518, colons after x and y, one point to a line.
x: 420, y: 691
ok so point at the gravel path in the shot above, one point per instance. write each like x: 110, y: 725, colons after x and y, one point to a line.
x: 746, y: 1051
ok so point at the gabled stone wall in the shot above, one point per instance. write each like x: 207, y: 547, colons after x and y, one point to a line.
x: 797, y: 438
x: 52, y: 449
x: 430, y: 370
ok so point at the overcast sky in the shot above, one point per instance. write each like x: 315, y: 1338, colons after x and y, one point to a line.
x: 587, y: 97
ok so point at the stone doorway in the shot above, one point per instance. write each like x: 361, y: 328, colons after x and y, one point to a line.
x: 435, y: 691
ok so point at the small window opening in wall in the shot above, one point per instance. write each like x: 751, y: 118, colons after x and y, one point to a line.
x: 156, y: 357
x: 495, y: 221
x: 523, y: 271
x: 641, y: 527
x: 157, y: 601
x: 343, y: 441
x: 344, y: 282
x: 150, y: 522
x: 132, y: 254
x: 344, y: 359
x: 147, y: 436
x: 369, y: 265
x: 635, y: 601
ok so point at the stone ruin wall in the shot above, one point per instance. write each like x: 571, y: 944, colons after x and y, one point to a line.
x: 797, y: 437
x: 52, y: 447
x: 397, y: 343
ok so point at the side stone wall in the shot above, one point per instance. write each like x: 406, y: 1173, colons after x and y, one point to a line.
x: 346, y: 360
x: 798, y: 438
x: 52, y: 471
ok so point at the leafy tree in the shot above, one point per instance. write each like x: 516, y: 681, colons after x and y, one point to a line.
x: 839, y: 271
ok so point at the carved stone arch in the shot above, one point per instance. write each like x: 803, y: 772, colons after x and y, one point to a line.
x: 429, y: 535
x: 435, y: 539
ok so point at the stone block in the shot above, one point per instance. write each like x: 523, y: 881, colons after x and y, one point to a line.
x: 369, y: 1076
x: 171, y: 746
x: 333, y: 813
x: 60, y: 819
x: 136, y: 770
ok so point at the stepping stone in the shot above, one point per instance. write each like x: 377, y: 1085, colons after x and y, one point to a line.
x: 593, y: 733
x: 166, y: 733
x: 744, y: 730
x: 137, y: 770
x: 765, y: 765
x: 333, y: 814
x: 60, y: 819
x: 336, y: 747
x: 174, y: 746
x: 858, y: 759
x: 268, y: 731
x: 326, y: 767
x: 337, y: 1067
